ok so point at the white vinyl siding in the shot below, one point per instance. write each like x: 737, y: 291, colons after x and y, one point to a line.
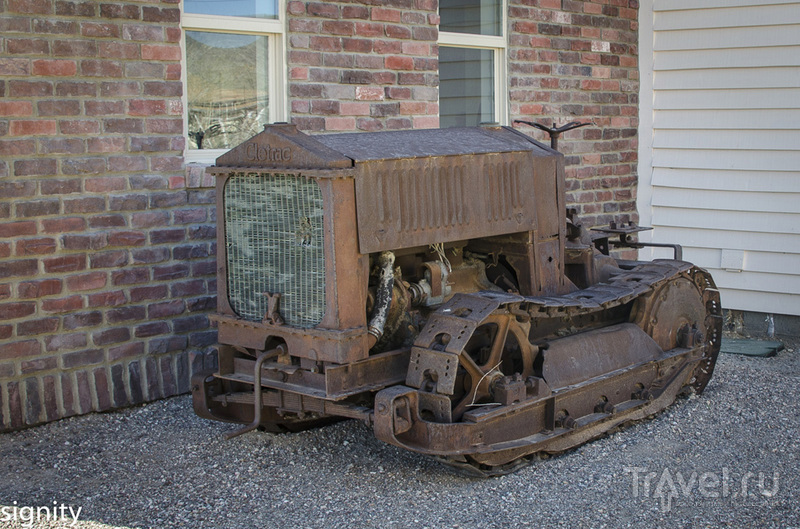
x: 720, y: 143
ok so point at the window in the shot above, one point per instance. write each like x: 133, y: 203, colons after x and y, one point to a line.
x: 472, y: 63
x: 234, y: 72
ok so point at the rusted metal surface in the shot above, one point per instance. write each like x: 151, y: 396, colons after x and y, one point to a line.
x: 430, y: 284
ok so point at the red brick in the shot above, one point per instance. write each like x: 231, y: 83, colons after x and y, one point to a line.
x: 386, y: 15
x: 127, y: 163
x: 90, y: 281
x: 398, y: 32
x: 12, y: 311
x: 126, y: 11
x: 104, y: 108
x: 67, y: 304
x: 62, y: 146
x: 60, y: 187
x: 84, y: 205
x: 130, y: 276
x: 16, y: 108
x: 16, y: 229
x: 368, y: 29
x: 79, y: 126
x: 35, y: 246
x: 22, y: 349
x: 164, y: 126
x: 169, y: 235
x: 165, y: 309
x: 171, y: 271
x: 34, y: 7
x: 33, y: 128
x: 368, y: 93
x: 108, y: 259
x: 161, y: 52
x: 152, y: 329
x: 65, y: 341
x: 101, y: 388
x: 39, y: 289
x: 111, y: 336
x: 74, y: 48
x: 28, y: 88
x: 76, y: 88
x: 128, y: 350
x: 63, y: 224
x: 107, y: 221
x: 166, y: 15
x: 40, y: 364
x: 173, y: 72
x: 107, y: 299
x: 126, y: 238
x: 17, y: 148
x: 17, y: 189
x: 37, y: 208
x: 101, y: 68
x: 122, y: 314
x: 67, y: 263
x: 80, y: 320
x: 149, y: 219
x: 106, y: 184
x: 60, y: 107
x: 322, y: 9
x: 119, y: 50
x: 148, y: 293
x: 357, y: 12
x: 83, y: 358
x: 37, y: 167
x: 55, y: 67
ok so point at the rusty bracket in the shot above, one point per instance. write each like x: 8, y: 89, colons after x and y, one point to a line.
x: 257, y: 401
x: 554, y: 131
x: 273, y: 316
x: 625, y: 240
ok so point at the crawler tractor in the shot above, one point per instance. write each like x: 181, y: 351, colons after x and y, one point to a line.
x: 432, y: 284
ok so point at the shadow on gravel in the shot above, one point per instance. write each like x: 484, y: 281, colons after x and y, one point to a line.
x: 729, y: 458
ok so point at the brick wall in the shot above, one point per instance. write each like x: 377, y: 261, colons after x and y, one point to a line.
x: 107, y: 240
x: 106, y: 272
x: 363, y: 66
x: 578, y: 61
x: 374, y: 66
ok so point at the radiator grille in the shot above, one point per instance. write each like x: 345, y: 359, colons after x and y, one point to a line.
x: 274, y: 244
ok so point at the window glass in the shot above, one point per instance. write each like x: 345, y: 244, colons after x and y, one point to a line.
x: 476, y: 17
x: 227, y: 88
x: 466, y: 86
x: 233, y: 8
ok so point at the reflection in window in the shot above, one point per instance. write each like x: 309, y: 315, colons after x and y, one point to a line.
x: 475, y: 17
x: 466, y: 86
x: 226, y: 77
x: 233, y: 8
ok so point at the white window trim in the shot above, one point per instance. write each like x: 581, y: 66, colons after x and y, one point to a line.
x: 499, y: 45
x: 274, y: 30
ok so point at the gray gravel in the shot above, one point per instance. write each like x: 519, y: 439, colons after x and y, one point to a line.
x: 160, y: 466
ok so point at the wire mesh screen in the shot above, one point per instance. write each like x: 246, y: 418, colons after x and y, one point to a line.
x: 274, y: 244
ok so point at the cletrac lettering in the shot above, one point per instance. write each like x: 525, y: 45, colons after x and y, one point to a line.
x: 265, y: 153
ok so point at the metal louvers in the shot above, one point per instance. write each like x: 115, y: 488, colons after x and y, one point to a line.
x: 274, y: 244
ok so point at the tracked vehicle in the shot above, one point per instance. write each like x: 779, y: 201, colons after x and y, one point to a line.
x: 432, y: 284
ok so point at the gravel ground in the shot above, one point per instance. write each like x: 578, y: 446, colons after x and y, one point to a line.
x: 729, y: 458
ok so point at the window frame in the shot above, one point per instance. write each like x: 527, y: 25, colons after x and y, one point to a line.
x: 498, y: 44
x: 274, y: 29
